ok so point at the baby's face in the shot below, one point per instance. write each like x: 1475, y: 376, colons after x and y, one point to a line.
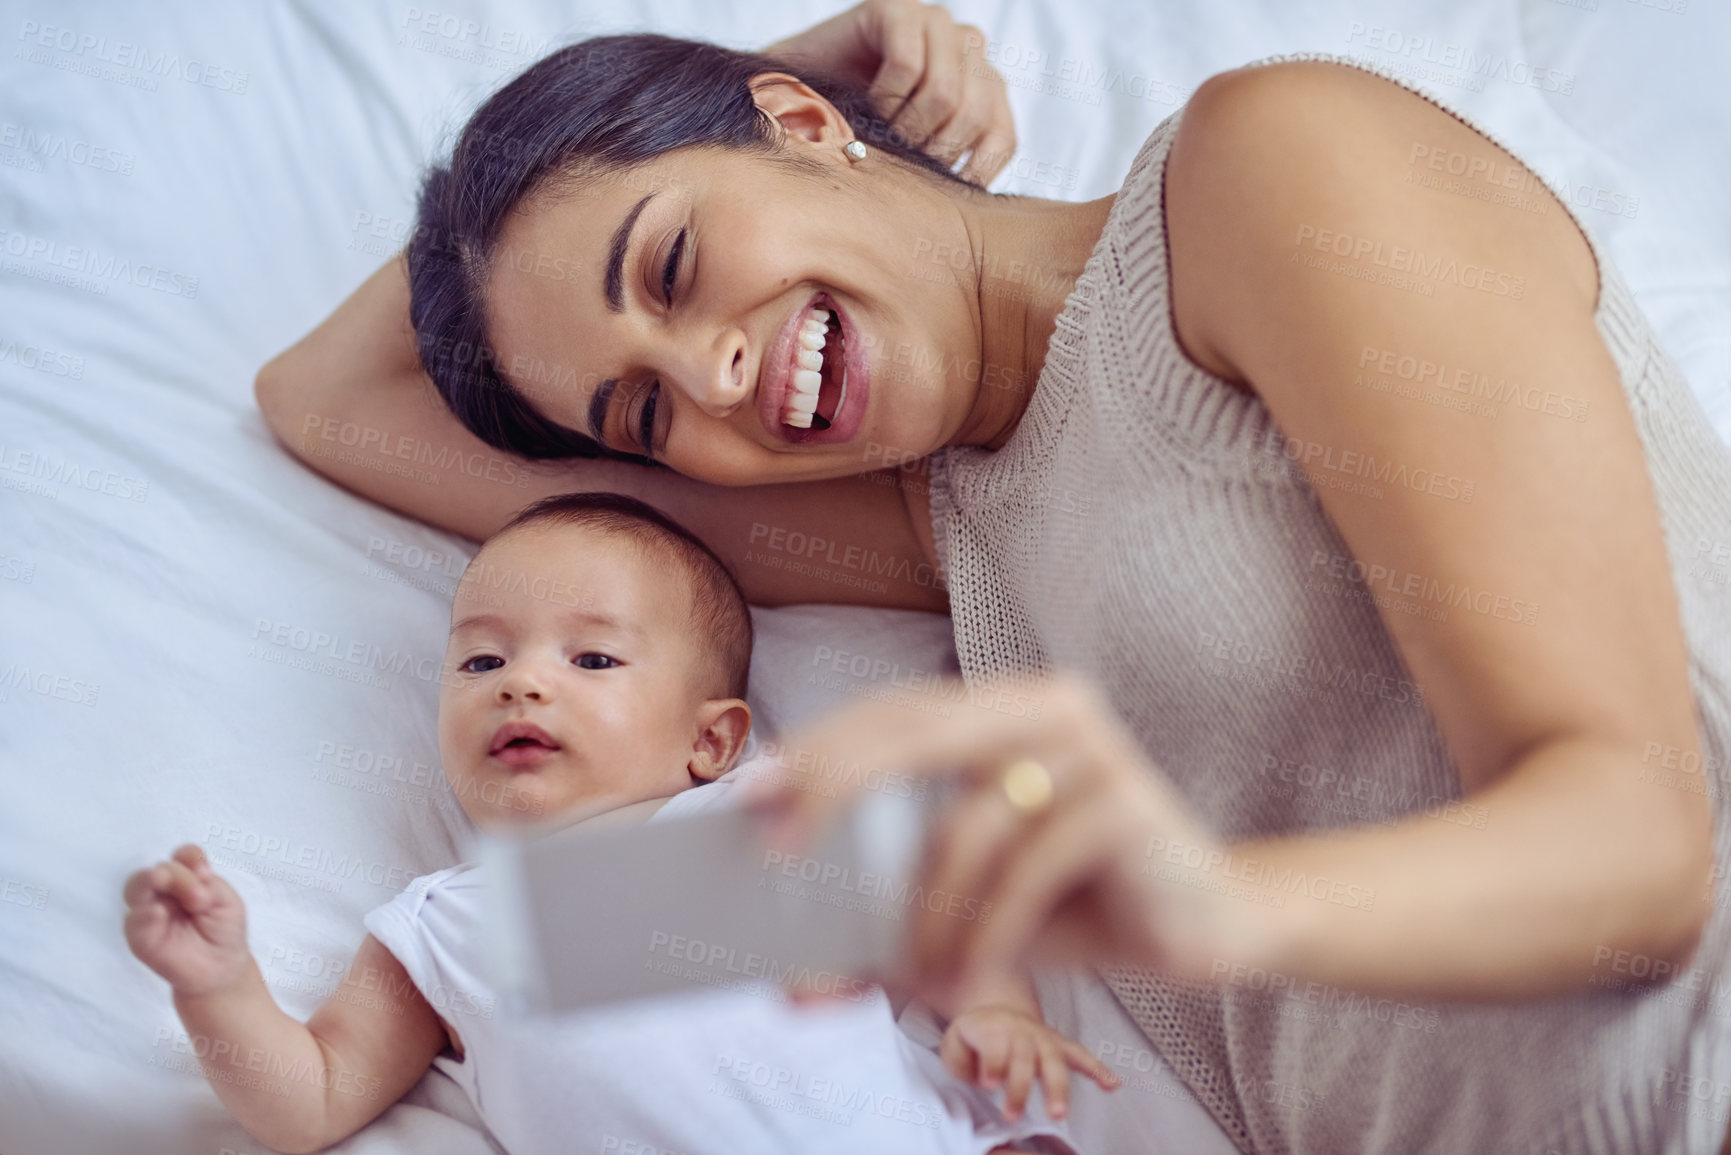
x: 570, y: 684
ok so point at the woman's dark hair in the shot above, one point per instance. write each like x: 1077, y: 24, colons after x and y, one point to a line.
x: 599, y: 106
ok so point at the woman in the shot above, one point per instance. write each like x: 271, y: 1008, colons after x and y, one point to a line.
x: 1347, y: 519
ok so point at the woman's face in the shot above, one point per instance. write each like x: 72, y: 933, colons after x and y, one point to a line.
x: 714, y: 259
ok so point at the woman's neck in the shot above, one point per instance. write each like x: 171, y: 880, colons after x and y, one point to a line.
x: 1028, y: 253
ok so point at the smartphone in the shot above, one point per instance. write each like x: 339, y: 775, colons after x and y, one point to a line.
x: 583, y: 918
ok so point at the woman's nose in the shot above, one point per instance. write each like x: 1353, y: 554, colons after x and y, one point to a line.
x: 714, y: 373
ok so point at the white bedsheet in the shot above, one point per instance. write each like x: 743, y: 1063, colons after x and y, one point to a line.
x: 202, y: 641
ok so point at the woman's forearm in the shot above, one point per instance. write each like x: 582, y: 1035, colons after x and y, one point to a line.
x: 1536, y: 885
x: 352, y: 401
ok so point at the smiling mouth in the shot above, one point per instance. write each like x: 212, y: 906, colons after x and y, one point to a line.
x: 819, y: 383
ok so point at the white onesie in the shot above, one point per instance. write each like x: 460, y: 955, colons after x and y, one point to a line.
x: 728, y: 1071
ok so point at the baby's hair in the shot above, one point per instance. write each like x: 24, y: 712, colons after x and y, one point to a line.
x: 719, y: 612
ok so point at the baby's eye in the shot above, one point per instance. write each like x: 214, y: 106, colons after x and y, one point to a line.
x: 579, y: 660
x: 472, y: 666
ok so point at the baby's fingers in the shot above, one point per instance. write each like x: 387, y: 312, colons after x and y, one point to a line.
x: 1078, y: 1058
x: 142, y: 886
x: 194, y: 894
x: 1055, y: 1079
x: 1024, y: 1061
x: 192, y: 857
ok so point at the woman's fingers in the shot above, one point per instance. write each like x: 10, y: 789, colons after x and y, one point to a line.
x: 981, y: 829
x: 951, y: 729
x: 938, y: 95
x: 982, y: 126
x: 899, y: 30
x: 992, y: 151
x: 991, y: 146
x: 1057, y: 857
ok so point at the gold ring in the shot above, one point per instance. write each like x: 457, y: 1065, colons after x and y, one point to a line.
x: 1027, y: 784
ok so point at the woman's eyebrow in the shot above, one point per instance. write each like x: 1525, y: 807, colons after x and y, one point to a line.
x: 615, y: 283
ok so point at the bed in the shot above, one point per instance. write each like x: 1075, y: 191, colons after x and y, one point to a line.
x: 201, y: 640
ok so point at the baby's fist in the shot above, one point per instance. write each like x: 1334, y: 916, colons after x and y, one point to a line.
x: 187, y: 924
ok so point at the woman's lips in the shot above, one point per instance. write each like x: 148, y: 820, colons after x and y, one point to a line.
x: 775, y: 383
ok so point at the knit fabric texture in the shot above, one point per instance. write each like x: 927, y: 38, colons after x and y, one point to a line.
x: 1143, y: 525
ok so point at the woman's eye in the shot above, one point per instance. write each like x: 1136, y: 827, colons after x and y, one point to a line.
x: 646, y: 421
x: 475, y: 665
x: 670, y: 273
x: 579, y: 661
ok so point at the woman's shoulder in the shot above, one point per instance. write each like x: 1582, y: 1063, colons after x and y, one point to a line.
x: 1277, y: 161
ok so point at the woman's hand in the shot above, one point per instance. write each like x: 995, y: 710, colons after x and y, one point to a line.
x: 1003, y: 1046
x: 187, y: 924
x: 927, y: 74
x: 1110, y: 868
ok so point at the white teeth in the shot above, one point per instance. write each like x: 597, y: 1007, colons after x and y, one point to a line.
x: 807, y: 379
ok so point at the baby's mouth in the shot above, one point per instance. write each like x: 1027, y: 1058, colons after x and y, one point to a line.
x: 820, y: 372
x: 522, y: 744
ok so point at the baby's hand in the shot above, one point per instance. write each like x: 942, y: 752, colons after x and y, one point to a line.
x: 997, y: 1046
x: 187, y: 924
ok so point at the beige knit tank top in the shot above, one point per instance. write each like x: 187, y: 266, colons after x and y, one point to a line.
x: 1142, y: 526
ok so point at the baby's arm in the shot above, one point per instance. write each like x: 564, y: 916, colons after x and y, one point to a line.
x: 294, y: 1086
x: 998, y: 1037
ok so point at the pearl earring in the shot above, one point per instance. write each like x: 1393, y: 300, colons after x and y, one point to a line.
x: 855, y: 150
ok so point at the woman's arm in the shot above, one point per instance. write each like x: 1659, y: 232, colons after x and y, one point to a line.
x: 352, y: 401
x: 1285, y: 186
x: 1581, y: 856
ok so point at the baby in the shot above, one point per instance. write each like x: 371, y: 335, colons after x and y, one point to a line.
x: 596, y: 671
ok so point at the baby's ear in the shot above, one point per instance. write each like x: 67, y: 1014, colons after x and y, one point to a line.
x: 723, y: 726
